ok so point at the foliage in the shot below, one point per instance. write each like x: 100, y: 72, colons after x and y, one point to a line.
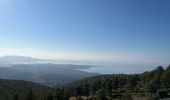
x: 154, y: 84
x: 127, y: 96
x: 101, y: 95
x: 163, y: 93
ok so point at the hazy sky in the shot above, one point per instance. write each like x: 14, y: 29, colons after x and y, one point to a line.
x: 96, y: 30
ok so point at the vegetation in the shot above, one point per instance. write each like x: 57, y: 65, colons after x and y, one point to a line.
x: 148, y: 85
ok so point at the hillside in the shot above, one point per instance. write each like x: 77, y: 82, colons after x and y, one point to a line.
x: 151, y: 85
x: 11, y: 88
x: 146, y: 86
x: 45, y: 74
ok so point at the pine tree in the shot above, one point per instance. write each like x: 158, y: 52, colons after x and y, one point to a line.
x: 49, y: 97
x: 30, y: 95
x: 15, y: 97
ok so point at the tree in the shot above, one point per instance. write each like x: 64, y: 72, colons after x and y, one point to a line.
x: 50, y: 97
x: 30, y: 95
x: 168, y: 68
x: 127, y: 96
x: 91, y: 89
x: 157, y: 73
x: 166, y: 79
x: 15, y: 97
x: 145, y: 77
x: 163, y: 93
x: 115, y: 83
x: 67, y: 94
x: 101, y: 95
x: 79, y: 98
x: 59, y: 94
x: 151, y: 87
x: 108, y: 87
x: 132, y: 81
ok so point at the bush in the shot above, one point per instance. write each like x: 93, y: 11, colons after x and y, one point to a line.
x: 163, y: 93
x: 79, y: 98
x: 101, y: 94
x: 154, y: 98
x: 127, y: 97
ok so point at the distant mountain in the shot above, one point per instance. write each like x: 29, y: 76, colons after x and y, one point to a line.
x: 41, y: 71
x: 11, y: 60
x: 46, y: 74
x: 14, y: 59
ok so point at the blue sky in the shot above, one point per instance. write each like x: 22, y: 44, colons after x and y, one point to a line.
x: 95, y: 30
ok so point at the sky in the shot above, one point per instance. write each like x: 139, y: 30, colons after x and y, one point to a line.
x: 136, y: 31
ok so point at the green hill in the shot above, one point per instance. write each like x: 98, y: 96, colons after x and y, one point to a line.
x: 151, y: 85
x: 148, y: 85
x: 11, y: 88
